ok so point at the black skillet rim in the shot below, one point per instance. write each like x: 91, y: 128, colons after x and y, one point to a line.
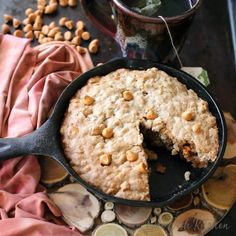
x: 62, y: 104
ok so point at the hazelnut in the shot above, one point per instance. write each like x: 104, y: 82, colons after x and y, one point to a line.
x: 76, y: 40
x: 37, y: 26
x: 188, y: 115
x: 32, y: 17
x: 130, y: 156
x: 52, y: 32
x: 28, y: 11
x: 78, y: 32
x: 81, y: 50
x: 105, y: 159
x: 58, y: 36
x: 80, y: 25
x: 69, y: 24
x: 95, y: 41
x: 93, y: 48
x: 50, y: 8
x: 127, y: 95
x: 85, y: 35
x: 151, y: 115
x: 29, y: 35
x: 142, y: 168
x: 26, y: 21
x: 7, y: 18
x: 52, y: 25
x: 107, y: 133
x: 45, y: 29
x: 28, y: 28
x: 5, y: 29
x: 87, y: 100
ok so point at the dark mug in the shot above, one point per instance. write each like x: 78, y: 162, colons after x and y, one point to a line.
x: 141, y: 36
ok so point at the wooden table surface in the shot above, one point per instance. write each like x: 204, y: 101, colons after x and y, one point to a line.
x: 208, y: 44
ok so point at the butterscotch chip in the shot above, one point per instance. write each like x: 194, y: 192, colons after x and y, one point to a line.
x: 127, y: 95
x: 85, y: 35
x: 87, y: 100
x: 107, y: 133
x: 28, y: 11
x: 16, y: 23
x: 105, y: 159
x: 7, y: 18
x: 80, y: 25
x: 151, y: 115
x: 68, y: 35
x: 18, y: 33
x: 69, y: 24
x: 62, y: 21
x: 188, y: 115
x: 5, y: 29
x: 72, y: 3
x: 131, y: 156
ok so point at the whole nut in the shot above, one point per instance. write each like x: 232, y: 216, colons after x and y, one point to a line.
x: 107, y: 133
x: 127, y: 95
x: 81, y: 50
x: 18, y: 33
x: 87, y: 100
x: 151, y: 115
x: 58, y: 36
x: 29, y: 35
x: 26, y: 21
x: 130, y: 156
x: 93, y: 48
x: 5, y: 29
x: 28, y: 11
x: 63, y: 3
x: 78, y: 32
x: 16, y: 23
x: 80, y: 24
x: 53, y: 32
x: 68, y: 35
x: 28, y: 28
x: 69, y: 24
x: 7, y: 18
x: 85, y: 35
x: 188, y: 115
x: 37, y: 26
x: 50, y: 8
x: 32, y: 17
x: 72, y: 3
x: 76, y: 40
x: 52, y: 25
x: 36, y: 34
x: 45, y: 29
x: 95, y: 41
x: 142, y: 168
x: 105, y: 159
x: 62, y: 21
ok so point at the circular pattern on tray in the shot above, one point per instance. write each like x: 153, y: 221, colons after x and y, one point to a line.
x: 194, y: 214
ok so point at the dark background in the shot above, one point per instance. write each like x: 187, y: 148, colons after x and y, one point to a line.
x: 209, y: 44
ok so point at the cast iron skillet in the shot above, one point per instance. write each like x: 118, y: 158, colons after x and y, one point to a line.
x: 164, y: 188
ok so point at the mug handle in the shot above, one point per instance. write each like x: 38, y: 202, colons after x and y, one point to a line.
x: 100, y: 13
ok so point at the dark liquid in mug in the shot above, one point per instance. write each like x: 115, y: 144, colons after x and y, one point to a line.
x: 168, y: 8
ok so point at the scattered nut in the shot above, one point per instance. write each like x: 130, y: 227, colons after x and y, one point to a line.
x: 78, y: 32
x: 95, y: 41
x: 26, y: 21
x: 85, y: 35
x: 93, y: 48
x: 188, y: 115
x: 52, y: 25
x: 130, y: 156
x: 7, y: 18
x: 36, y: 34
x: 68, y: 35
x: 28, y: 28
x: 39, y: 19
x: 50, y: 8
x: 105, y: 159
x: 41, y: 8
x: 28, y: 11
x: 127, y: 95
x: 16, y: 23
x: 41, y: 2
x: 53, y: 32
x: 69, y: 24
x: 151, y: 115
x: 62, y: 21
x: 63, y: 3
x: 29, y: 35
x: 45, y: 29
x: 52, y: 1
x: 5, y: 29
x: 32, y: 17
x: 80, y: 24
x: 196, y: 128
x: 81, y: 50
x: 18, y: 33
x: 37, y: 26
x: 87, y: 100
x: 76, y: 40
x: 72, y: 3
x: 142, y: 168
x: 58, y: 36
x: 107, y: 133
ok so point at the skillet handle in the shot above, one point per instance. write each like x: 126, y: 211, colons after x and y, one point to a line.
x: 38, y: 143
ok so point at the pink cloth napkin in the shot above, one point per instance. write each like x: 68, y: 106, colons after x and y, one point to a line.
x: 31, y: 79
